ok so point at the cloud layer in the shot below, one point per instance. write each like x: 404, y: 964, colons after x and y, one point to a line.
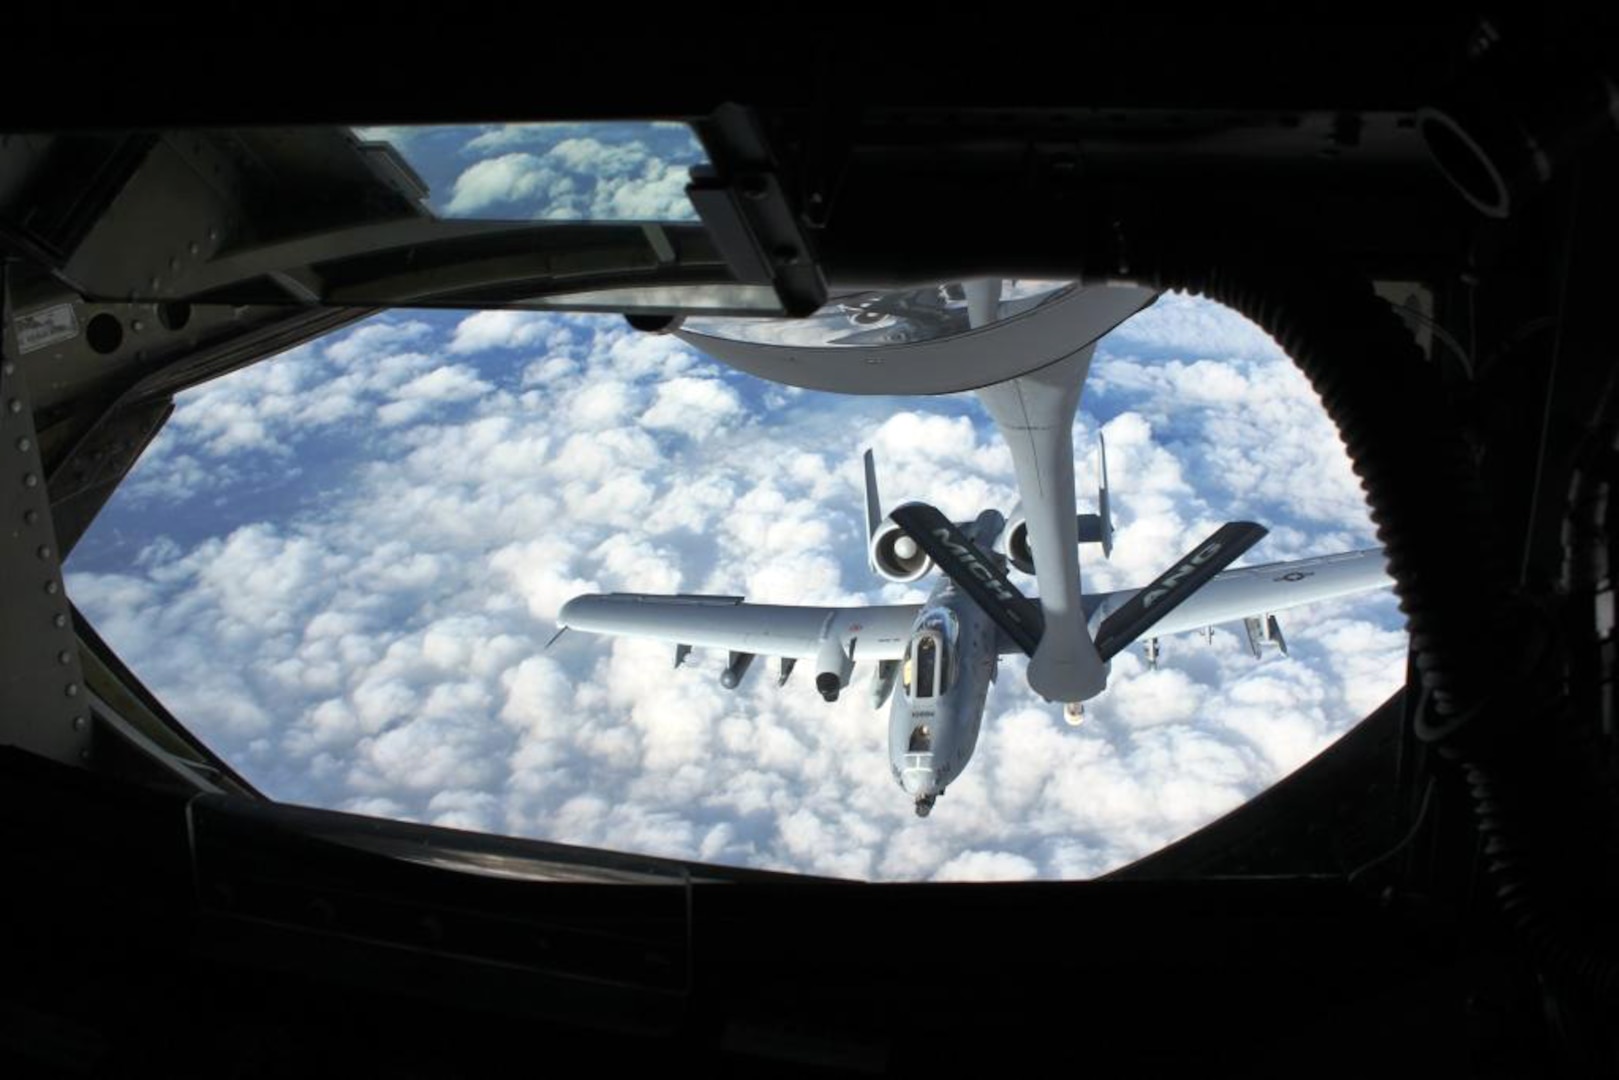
x: 340, y: 566
x: 628, y: 171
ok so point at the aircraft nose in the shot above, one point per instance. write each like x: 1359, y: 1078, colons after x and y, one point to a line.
x: 919, y: 779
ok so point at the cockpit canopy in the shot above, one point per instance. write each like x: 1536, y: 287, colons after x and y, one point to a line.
x: 930, y: 656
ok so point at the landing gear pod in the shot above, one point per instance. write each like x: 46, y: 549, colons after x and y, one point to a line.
x: 833, y: 666
x: 731, y: 677
x: 1262, y: 632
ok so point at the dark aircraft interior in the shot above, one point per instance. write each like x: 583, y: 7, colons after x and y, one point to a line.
x: 1422, y: 212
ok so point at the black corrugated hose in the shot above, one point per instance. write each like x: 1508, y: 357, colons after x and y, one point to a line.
x: 1483, y: 654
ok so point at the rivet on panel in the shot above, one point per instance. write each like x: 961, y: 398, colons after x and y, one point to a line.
x: 29, y: 480
x: 14, y: 405
x: 79, y: 723
x: 25, y: 444
x: 30, y: 517
x: 84, y: 755
x: 44, y: 551
x: 7, y: 368
x: 174, y: 264
x: 72, y: 689
x: 52, y: 588
x: 192, y: 247
x: 64, y: 657
x: 59, y: 620
x: 137, y: 325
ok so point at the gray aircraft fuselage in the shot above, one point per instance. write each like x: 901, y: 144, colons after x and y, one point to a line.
x: 943, y: 682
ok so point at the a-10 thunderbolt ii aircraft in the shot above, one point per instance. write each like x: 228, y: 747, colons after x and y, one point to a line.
x: 946, y: 651
x: 1024, y: 347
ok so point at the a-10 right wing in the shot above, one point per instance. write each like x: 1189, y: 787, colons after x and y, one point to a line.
x: 1246, y: 591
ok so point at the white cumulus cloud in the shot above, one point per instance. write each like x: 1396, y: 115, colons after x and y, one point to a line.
x: 580, y: 177
x: 376, y: 641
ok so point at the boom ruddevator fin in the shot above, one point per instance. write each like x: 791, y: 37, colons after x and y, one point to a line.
x: 1175, y: 585
x: 978, y: 573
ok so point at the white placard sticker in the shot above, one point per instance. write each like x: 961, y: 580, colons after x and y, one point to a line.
x: 45, y: 327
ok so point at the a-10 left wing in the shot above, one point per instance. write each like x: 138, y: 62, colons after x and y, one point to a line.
x: 726, y: 622
x: 831, y: 638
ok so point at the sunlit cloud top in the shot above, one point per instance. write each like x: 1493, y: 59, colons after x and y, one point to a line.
x: 340, y: 567
x: 628, y: 171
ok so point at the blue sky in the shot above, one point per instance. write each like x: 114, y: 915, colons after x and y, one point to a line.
x: 339, y: 567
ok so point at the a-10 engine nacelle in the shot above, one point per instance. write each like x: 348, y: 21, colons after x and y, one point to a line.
x: 1093, y: 529
x: 896, y: 556
x: 1018, y: 552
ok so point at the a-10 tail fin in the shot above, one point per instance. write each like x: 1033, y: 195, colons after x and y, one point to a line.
x: 890, y: 553
x: 874, y: 507
x: 1101, y: 499
x: 1097, y: 528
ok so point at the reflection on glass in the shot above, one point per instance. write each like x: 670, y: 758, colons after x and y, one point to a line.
x: 866, y: 319
x: 714, y: 297
x: 927, y: 654
x: 617, y: 171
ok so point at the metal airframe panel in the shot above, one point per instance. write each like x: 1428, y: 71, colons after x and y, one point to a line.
x: 967, y: 361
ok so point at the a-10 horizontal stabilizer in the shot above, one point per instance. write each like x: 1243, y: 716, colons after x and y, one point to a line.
x: 1175, y: 586
x: 978, y: 573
